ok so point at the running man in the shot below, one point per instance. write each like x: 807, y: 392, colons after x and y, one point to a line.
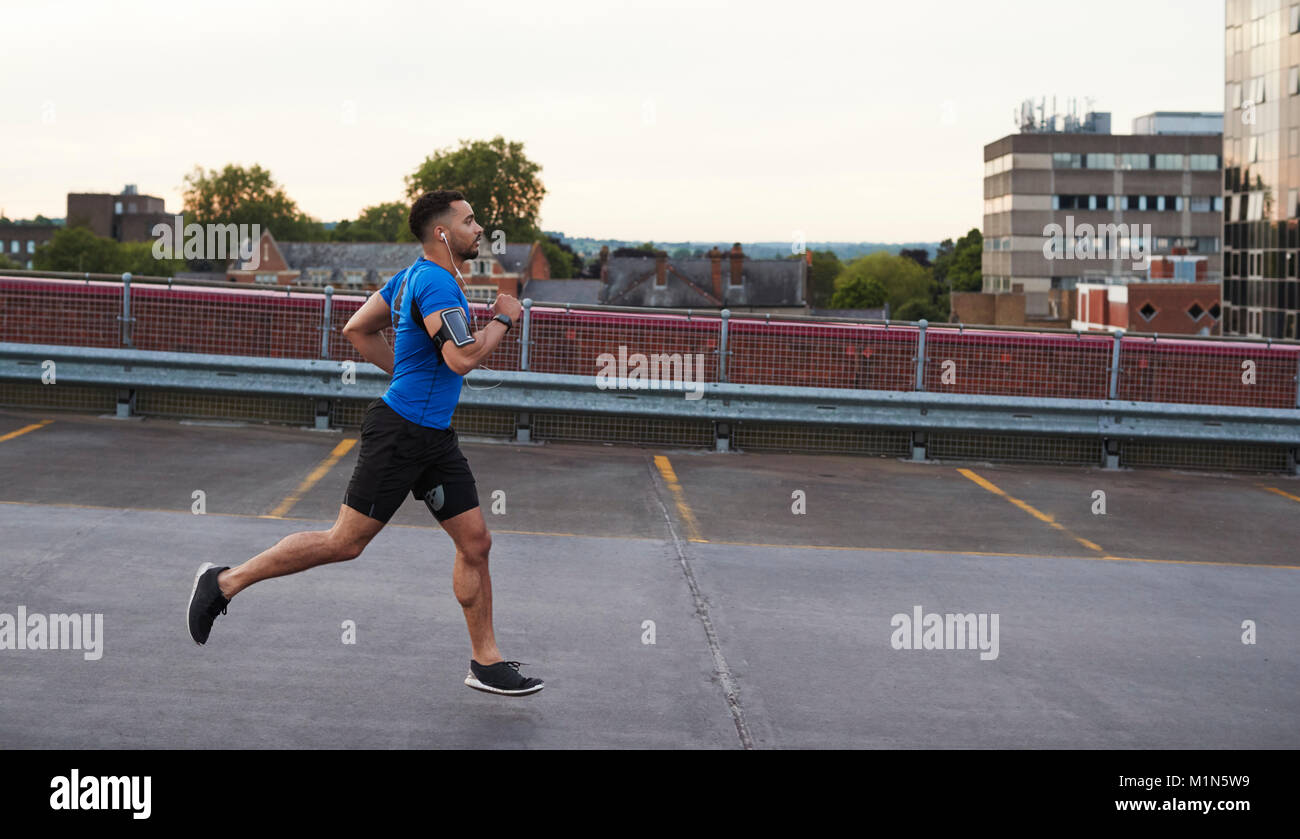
x: 407, y: 442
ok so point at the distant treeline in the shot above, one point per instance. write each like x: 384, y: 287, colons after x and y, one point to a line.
x: 845, y: 251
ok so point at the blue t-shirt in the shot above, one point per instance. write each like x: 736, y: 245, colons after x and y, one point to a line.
x: 424, y: 389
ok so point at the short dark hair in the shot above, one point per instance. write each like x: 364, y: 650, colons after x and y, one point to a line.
x: 429, y: 206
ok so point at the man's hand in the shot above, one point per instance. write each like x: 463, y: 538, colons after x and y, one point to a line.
x: 508, y: 306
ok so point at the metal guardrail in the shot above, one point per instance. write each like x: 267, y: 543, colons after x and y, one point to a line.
x: 125, y: 281
x: 721, y: 403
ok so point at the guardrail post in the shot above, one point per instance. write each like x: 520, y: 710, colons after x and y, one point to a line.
x: 125, y: 317
x: 722, y: 430
x: 723, y: 352
x: 325, y: 322
x: 324, y: 406
x: 919, y: 438
x: 1110, y: 446
x: 126, y: 397
x: 523, y: 422
x: 920, y: 355
x: 1113, y: 393
x: 524, y: 333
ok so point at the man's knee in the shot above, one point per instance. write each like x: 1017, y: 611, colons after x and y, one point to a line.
x: 476, y: 547
x: 343, y: 547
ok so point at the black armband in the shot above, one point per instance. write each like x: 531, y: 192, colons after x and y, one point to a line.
x: 455, y: 328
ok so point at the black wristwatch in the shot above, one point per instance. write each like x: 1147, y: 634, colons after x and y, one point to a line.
x: 506, y: 320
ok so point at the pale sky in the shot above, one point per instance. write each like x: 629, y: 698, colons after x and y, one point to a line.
x: 666, y: 121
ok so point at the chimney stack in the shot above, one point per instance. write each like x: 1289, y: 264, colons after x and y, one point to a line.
x: 737, y: 265
x: 604, y: 265
x: 661, y: 268
x: 715, y: 272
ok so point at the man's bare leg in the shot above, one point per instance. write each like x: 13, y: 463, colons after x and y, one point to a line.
x: 351, y: 532
x: 471, y: 582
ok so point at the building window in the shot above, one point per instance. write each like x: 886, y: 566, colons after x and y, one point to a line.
x: 29, y: 265
x: 1291, y: 197
x: 1295, y: 20
x: 1104, y: 160
x: 1169, y: 162
x: 1293, y: 81
x: 117, y: 208
x: 1066, y: 160
x: 31, y: 246
x: 354, y: 278
x: 265, y: 279
x: 996, y: 205
x: 997, y: 165
x: 14, y: 246
x: 1148, y: 311
x: 1136, y: 161
x: 319, y: 276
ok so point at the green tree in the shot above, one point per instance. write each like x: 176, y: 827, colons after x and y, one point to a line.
x: 681, y: 253
x: 901, y: 278
x: 385, y: 222
x: 239, y: 195
x: 917, y: 309
x: 78, y: 249
x: 7, y: 264
x: 564, y: 264
x: 858, y: 292
x: 138, y: 258
x: 825, y: 268
x: 957, y: 266
x: 499, y: 182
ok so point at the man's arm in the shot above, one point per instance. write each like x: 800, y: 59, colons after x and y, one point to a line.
x: 365, y: 330
x: 461, y: 360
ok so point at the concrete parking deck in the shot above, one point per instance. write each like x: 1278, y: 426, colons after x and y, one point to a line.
x: 772, y: 628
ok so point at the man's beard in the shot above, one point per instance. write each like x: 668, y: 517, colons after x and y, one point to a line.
x: 470, y: 253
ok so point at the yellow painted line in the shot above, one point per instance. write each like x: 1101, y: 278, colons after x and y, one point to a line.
x: 24, y: 430
x: 1281, y: 493
x: 1038, y: 514
x: 999, y: 554
x: 683, y: 509
x: 319, y: 472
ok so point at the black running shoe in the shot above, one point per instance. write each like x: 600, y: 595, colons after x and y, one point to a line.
x: 206, y: 602
x: 503, y: 678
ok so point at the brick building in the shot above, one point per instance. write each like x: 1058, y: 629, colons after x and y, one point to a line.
x: 19, y: 240
x: 1168, y: 308
x: 128, y: 217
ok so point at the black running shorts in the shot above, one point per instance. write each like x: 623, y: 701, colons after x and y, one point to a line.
x: 399, y: 456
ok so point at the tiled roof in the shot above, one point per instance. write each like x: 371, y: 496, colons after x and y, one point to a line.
x: 515, y: 259
x: 689, y: 283
x: 562, y: 291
